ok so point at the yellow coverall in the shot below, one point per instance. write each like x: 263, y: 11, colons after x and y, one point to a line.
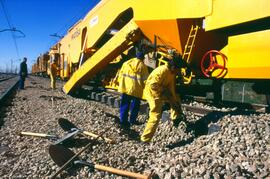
x: 53, y: 72
x: 159, y: 84
x: 132, y: 77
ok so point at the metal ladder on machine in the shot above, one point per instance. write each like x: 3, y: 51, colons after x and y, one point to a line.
x: 188, y: 49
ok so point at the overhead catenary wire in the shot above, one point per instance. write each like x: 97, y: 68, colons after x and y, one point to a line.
x: 10, y: 26
x: 63, y: 29
x: 80, y: 13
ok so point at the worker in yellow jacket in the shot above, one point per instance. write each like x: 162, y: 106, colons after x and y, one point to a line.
x: 131, y: 78
x: 160, y: 88
x: 53, y: 73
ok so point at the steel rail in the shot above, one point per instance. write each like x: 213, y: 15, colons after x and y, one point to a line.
x: 5, y: 79
x: 8, y: 92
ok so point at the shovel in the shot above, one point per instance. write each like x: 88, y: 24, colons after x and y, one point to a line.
x: 66, y: 125
x: 57, y: 139
x: 61, y: 155
x: 48, y: 136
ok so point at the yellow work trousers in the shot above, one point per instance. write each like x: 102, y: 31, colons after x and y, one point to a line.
x: 53, y: 86
x: 155, y: 113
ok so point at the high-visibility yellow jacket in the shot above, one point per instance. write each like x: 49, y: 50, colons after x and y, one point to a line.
x: 132, y: 77
x: 161, y: 85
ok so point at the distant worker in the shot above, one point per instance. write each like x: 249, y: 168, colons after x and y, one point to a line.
x: 53, y: 72
x: 23, y: 73
x: 132, y: 77
x: 160, y: 88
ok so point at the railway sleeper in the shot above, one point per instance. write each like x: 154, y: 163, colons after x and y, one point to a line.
x: 113, y: 100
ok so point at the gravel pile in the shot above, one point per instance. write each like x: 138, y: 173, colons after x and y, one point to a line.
x: 237, y: 146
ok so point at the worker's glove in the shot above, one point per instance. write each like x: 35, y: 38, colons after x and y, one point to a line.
x: 115, y: 81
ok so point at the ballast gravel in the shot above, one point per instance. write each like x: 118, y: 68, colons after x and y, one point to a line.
x: 237, y: 147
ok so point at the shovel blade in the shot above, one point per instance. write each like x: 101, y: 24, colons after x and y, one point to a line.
x: 67, y: 137
x: 60, y: 155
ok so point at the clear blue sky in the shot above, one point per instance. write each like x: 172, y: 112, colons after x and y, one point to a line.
x: 37, y: 19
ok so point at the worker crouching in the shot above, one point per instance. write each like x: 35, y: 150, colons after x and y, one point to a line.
x: 132, y: 77
x: 160, y: 88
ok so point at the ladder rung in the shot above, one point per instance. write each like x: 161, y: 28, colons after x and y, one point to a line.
x: 189, y: 46
x: 190, y: 42
x: 186, y: 53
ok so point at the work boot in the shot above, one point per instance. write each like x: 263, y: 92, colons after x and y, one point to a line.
x: 136, y: 123
x: 145, y: 143
x: 125, y: 126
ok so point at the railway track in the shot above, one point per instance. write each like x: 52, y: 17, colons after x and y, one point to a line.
x: 5, y: 78
x: 204, y: 107
x: 8, y: 83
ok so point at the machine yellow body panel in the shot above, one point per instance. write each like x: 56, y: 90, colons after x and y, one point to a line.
x: 249, y: 55
x: 63, y: 57
x: 170, y: 9
x: 75, y: 44
x: 232, y: 12
x: 99, y: 19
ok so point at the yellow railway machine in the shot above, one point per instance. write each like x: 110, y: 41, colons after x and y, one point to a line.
x: 220, y: 39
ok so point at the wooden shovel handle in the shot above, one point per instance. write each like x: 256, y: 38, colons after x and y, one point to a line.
x: 121, y: 172
x: 96, y: 136
x: 37, y: 134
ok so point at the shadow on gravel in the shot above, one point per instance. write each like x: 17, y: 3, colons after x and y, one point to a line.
x: 2, y: 116
x: 4, y: 103
x: 77, y: 142
x: 202, y: 127
x: 50, y: 97
x: 131, y: 133
x: 115, y: 118
x: 72, y: 171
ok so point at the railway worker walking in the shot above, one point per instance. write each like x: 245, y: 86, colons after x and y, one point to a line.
x: 159, y: 88
x: 132, y: 77
x: 23, y: 73
x: 53, y: 72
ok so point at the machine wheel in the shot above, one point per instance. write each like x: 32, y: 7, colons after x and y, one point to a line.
x: 209, y: 63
